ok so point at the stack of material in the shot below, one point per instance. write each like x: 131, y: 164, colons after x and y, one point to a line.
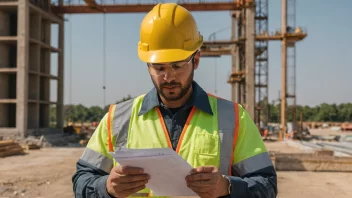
x: 31, y: 143
x: 30, y: 146
x: 10, y: 147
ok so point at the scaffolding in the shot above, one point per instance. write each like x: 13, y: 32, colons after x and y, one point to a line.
x: 262, y: 66
x: 243, y: 87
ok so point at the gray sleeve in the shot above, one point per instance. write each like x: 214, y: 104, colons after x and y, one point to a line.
x: 89, y: 181
x: 259, y: 184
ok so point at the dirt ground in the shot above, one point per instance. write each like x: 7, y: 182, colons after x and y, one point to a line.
x: 309, y: 184
x: 47, y: 173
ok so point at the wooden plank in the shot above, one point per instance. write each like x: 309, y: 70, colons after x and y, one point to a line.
x: 9, y: 147
x: 6, y: 142
x: 15, y: 151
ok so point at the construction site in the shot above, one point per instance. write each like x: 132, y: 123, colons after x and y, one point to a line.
x: 37, y: 159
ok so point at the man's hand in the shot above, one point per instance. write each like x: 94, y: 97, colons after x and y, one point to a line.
x: 207, y: 182
x: 124, y: 181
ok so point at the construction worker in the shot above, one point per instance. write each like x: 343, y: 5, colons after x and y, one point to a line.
x: 215, y: 136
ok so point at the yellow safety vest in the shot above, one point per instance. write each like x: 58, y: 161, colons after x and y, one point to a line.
x: 205, y: 139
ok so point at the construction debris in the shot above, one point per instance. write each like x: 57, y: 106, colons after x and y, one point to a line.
x: 30, y: 146
x: 311, y: 162
x: 10, y: 147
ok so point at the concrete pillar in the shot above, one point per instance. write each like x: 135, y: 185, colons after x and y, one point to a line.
x: 241, y: 56
x: 22, y: 66
x: 60, y: 83
x: 234, y: 68
x: 284, y: 69
x: 250, y: 61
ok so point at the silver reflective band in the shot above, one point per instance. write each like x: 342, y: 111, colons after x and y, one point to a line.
x: 253, y: 164
x: 121, y: 122
x: 226, y: 125
x: 96, y: 159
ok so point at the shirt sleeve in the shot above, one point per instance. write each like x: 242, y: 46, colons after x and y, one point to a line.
x: 93, y: 168
x: 253, y: 174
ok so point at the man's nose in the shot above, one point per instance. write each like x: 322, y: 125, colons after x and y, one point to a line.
x: 169, y: 75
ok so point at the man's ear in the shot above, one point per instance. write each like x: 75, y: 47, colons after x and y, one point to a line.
x: 196, y: 60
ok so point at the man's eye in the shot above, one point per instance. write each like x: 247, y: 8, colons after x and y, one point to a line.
x: 176, y: 66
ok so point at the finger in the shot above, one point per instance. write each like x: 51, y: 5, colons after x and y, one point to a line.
x: 199, y: 190
x: 203, y: 169
x: 132, y: 185
x: 132, y: 178
x: 129, y: 170
x: 201, y: 183
x: 199, y: 176
x: 128, y: 192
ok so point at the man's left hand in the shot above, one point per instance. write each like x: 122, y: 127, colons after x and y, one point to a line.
x: 207, y: 182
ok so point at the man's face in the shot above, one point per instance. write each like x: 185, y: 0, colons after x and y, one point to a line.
x: 174, y: 80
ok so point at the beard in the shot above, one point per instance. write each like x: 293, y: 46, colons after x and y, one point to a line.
x: 177, y: 92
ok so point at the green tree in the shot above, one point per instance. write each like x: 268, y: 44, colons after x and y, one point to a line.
x: 323, y: 112
x: 79, y: 113
x: 94, y: 114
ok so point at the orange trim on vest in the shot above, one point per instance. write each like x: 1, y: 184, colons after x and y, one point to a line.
x: 235, y: 136
x: 164, y: 127
x: 185, y: 128
x: 111, y: 148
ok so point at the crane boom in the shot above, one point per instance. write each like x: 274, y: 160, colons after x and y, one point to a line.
x: 92, y: 7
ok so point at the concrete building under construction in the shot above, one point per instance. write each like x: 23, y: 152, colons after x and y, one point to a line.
x: 25, y: 66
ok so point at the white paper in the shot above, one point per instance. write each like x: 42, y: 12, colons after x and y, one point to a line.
x: 166, y: 168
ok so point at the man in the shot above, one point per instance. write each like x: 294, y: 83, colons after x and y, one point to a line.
x: 217, y: 137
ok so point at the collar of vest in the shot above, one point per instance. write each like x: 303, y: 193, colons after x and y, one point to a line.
x: 199, y: 99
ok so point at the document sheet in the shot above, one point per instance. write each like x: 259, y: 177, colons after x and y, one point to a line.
x: 166, y: 168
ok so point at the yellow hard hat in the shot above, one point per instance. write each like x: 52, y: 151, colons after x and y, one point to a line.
x: 168, y: 33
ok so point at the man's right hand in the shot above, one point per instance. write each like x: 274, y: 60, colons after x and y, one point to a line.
x: 124, y: 181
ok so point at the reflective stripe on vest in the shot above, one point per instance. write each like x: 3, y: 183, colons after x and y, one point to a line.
x: 224, y: 129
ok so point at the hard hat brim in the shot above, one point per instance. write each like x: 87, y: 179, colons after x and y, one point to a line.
x: 164, y: 56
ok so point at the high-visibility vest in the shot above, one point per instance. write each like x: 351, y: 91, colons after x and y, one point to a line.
x: 205, y: 140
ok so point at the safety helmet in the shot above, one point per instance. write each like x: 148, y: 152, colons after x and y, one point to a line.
x: 168, y: 33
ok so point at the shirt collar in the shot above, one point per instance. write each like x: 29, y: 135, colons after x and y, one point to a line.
x: 199, y: 99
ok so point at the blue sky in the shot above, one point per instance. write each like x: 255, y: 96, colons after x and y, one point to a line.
x: 323, y: 59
